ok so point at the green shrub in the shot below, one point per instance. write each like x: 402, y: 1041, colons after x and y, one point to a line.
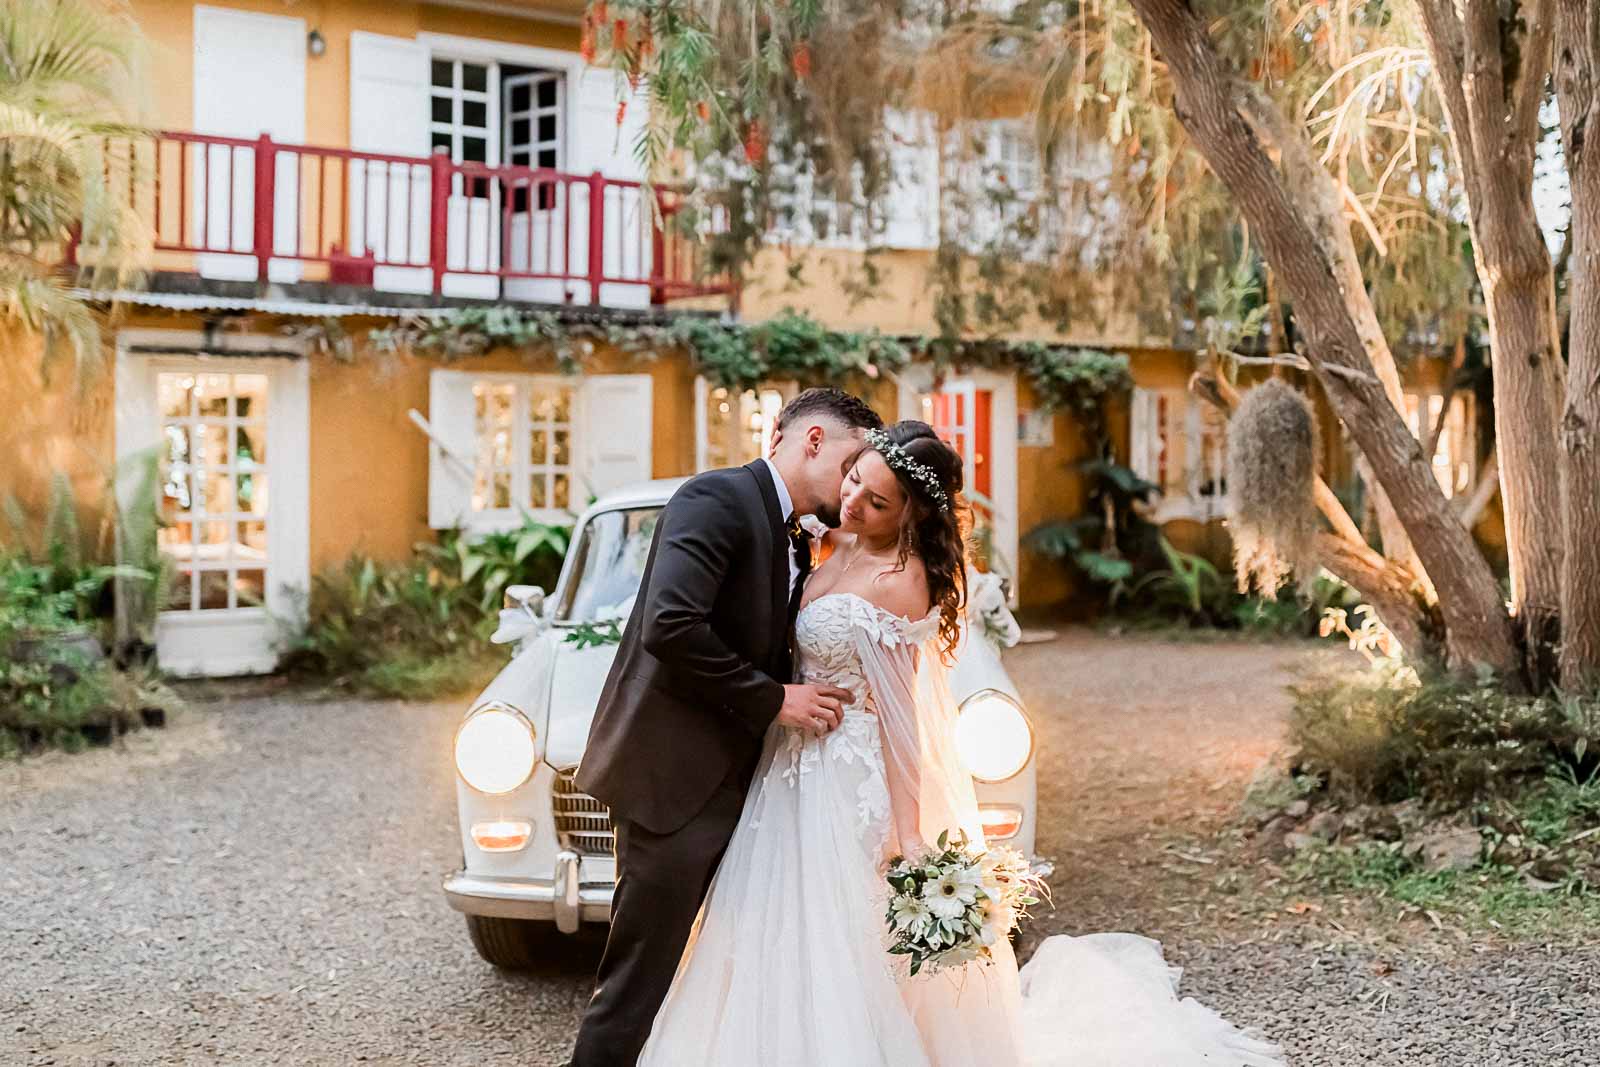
x: 420, y: 629
x: 1384, y: 735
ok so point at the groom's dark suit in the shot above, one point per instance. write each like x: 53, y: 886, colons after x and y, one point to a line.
x: 677, y: 733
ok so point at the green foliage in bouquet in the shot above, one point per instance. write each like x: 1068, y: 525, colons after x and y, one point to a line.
x: 951, y: 905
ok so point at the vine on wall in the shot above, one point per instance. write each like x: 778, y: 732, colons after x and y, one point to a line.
x: 790, y: 346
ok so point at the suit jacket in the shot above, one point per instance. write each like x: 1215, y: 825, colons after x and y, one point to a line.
x: 699, y: 675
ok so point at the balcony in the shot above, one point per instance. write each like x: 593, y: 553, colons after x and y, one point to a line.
x: 256, y: 210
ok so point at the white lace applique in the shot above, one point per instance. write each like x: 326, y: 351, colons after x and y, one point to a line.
x: 825, y: 635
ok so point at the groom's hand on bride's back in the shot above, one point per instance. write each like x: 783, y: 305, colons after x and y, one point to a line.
x: 815, y: 709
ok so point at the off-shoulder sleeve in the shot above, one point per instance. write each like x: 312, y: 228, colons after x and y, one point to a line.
x: 929, y: 791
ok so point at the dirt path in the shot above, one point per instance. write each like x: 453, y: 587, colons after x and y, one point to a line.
x: 1143, y: 739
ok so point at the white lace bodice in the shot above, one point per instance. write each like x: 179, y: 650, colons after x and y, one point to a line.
x: 826, y: 632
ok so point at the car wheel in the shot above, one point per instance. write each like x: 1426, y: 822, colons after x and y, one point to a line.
x: 513, y: 944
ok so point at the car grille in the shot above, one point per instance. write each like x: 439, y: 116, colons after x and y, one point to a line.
x: 582, y: 823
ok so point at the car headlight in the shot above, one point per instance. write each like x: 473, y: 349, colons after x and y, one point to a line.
x: 495, y: 748
x: 994, y: 736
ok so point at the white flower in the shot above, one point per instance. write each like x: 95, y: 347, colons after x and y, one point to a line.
x: 949, y: 895
x: 910, y: 913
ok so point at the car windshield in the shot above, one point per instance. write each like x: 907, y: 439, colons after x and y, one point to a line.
x: 609, y: 561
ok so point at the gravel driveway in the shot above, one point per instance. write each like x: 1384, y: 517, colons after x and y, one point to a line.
x: 259, y: 884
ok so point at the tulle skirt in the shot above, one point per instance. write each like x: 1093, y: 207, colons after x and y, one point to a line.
x: 788, y: 966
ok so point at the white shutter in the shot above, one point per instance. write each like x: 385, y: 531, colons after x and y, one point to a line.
x: 911, y: 208
x: 596, y: 143
x: 1144, y: 434
x: 389, y: 114
x: 452, y: 415
x: 614, y: 446
x: 249, y: 79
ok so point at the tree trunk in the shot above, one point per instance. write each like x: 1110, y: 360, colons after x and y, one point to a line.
x: 1577, y: 91
x: 1489, y: 69
x: 1333, y: 312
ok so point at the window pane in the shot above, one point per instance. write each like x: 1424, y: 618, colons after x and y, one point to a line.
x: 536, y: 492
x: 443, y: 140
x: 250, y: 589
x: 250, y: 396
x: 474, y: 114
x: 253, y: 492
x: 210, y: 446
x: 547, y: 128
x: 547, y: 158
x: 177, y: 540
x: 539, y: 447
x: 502, y: 489
x: 180, y: 592
x: 211, y: 395
x: 519, y: 131
x: 547, y: 93
x: 213, y: 590
x: 562, y: 497
x: 175, y: 391
x: 443, y: 112
x: 519, y: 97
x: 475, y: 77
x: 563, y: 457
x: 443, y: 73
x: 215, y: 492
x: 249, y: 448
x: 252, y: 543
x: 474, y: 150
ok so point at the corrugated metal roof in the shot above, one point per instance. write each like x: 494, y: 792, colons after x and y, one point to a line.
x: 206, y: 302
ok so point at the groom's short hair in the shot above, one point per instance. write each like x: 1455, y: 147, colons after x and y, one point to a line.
x: 836, y: 404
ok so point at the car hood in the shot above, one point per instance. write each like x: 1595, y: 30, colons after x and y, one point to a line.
x: 576, y: 677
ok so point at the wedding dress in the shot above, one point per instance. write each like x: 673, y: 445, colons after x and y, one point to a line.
x: 788, y: 964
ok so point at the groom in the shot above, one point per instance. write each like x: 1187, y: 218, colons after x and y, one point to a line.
x: 703, y: 670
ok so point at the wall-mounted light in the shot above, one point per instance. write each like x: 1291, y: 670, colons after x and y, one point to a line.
x: 316, y: 44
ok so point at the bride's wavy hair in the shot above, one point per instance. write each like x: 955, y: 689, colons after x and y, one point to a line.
x: 935, y: 534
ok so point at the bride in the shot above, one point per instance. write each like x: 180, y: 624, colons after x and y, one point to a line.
x: 788, y: 966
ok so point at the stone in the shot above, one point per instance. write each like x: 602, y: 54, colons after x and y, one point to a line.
x: 1297, y: 842
x: 1325, y: 825
x: 1449, y: 848
x: 1297, y: 809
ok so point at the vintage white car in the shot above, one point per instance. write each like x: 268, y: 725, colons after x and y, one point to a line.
x: 537, y: 853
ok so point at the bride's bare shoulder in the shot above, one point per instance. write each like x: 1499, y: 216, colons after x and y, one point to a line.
x: 903, y: 590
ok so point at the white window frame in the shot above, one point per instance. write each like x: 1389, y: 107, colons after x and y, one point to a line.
x: 239, y: 640
x: 1444, y: 462
x: 522, y: 469
x: 704, y: 391
x: 449, y: 46
x: 850, y: 224
x: 1147, y: 446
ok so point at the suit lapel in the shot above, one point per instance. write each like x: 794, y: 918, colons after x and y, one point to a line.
x: 780, y: 554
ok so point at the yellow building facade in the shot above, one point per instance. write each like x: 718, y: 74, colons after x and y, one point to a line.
x: 364, y: 163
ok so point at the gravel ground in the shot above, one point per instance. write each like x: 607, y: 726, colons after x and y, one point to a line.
x: 259, y: 884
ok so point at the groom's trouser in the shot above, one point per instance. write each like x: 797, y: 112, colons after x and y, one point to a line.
x: 661, y: 882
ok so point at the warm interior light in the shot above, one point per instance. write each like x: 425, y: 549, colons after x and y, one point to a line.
x: 502, y: 835
x: 1001, y: 822
x: 994, y: 736
x: 494, y: 749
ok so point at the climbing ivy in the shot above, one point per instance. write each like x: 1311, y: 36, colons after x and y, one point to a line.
x: 790, y: 346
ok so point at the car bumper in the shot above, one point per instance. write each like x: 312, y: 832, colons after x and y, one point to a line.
x: 561, y: 899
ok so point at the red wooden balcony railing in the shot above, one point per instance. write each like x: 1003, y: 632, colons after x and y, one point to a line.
x: 256, y: 209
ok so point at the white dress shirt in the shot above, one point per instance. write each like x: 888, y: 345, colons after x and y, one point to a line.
x: 786, y: 509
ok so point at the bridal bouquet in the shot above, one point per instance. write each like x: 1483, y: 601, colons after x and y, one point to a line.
x: 952, y: 904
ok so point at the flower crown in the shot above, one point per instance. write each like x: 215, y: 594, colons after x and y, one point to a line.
x: 900, y: 460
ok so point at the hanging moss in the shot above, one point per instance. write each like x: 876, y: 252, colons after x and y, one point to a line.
x: 1272, y: 471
